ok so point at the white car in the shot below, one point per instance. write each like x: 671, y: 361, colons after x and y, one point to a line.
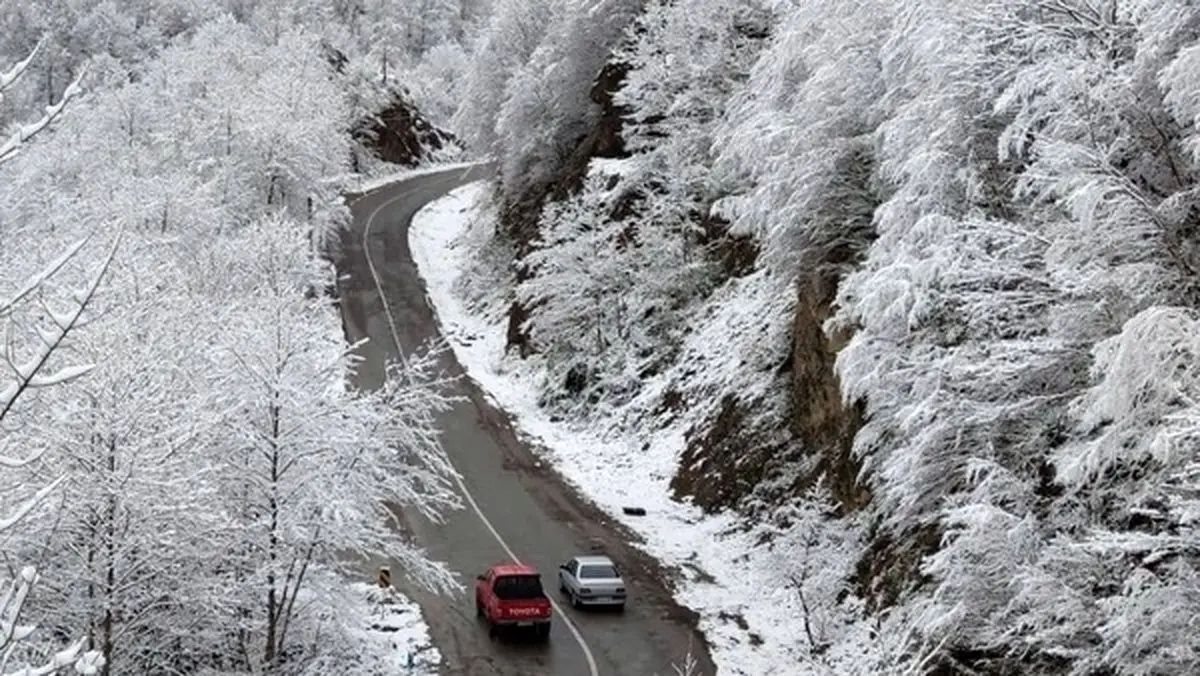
x: 592, y: 581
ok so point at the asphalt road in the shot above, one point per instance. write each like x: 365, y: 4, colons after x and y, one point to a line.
x: 539, y: 520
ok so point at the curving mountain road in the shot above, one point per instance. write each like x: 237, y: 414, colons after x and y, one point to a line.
x: 514, y: 503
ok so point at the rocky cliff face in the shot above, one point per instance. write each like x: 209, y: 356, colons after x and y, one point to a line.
x: 741, y: 452
x: 399, y: 134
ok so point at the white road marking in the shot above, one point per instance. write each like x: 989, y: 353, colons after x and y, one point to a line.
x: 587, y: 652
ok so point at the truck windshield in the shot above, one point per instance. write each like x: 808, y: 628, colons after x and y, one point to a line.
x: 518, y: 587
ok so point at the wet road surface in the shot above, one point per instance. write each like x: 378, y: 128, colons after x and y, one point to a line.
x: 540, y: 520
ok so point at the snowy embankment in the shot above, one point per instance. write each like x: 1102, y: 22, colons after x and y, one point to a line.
x: 747, y: 613
x: 393, y: 623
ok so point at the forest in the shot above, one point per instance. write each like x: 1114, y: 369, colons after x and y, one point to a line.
x: 912, y: 285
x: 184, y: 466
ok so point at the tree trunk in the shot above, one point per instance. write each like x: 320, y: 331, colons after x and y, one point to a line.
x: 91, y: 586
x: 110, y: 562
x: 271, y: 654
x: 599, y: 323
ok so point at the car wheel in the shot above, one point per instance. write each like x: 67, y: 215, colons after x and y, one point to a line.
x: 620, y: 607
x: 575, y: 602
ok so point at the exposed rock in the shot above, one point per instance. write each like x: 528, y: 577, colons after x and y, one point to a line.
x: 890, y: 566
x: 399, y: 134
x: 607, y: 140
x: 736, y: 254
x: 337, y: 60
x: 735, y: 457
x: 728, y: 459
x: 819, y: 417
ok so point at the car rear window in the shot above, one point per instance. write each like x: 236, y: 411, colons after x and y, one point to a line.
x: 518, y: 587
x: 597, y: 571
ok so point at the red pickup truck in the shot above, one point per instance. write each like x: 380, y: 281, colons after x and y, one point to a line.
x: 510, y: 595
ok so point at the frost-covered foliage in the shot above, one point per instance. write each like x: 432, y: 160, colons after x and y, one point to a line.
x: 214, y: 466
x: 245, y: 134
x: 505, y: 43
x: 306, y: 470
x: 413, y: 47
x: 604, y: 307
x: 685, y: 61
x: 38, y: 321
x: 134, y: 518
x: 527, y: 99
x: 547, y: 105
x: 1003, y: 196
x: 978, y: 304
x: 617, y: 265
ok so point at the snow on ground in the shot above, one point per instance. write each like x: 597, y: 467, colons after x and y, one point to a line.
x: 726, y: 587
x: 393, y: 623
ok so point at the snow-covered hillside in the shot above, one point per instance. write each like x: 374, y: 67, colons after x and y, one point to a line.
x: 744, y: 590
x: 185, y: 476
x: 914, y: 283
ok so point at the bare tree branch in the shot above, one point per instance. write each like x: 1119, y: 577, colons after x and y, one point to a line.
x: 9, y: 148
x: 8, y: 78
x: 29, y: 374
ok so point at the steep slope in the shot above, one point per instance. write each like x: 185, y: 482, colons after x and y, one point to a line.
x: 893, y: 259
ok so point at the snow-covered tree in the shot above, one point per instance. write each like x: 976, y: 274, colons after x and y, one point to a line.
x: 505, y: 43
x: 308, y: 469
x: 43, y: 321
x: 34, y: 366
x: 992, y: 273
x: 582, y: 285
x: 203, y: 168
x: 130, y: 542
x: 547, y: 105
x: 1136, y: 462
x: 686, y: 63
x: 26, y: 131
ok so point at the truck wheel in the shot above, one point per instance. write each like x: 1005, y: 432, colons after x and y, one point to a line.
x: 543, y: 632
x: 491, y: 629
x: 478, y: 608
